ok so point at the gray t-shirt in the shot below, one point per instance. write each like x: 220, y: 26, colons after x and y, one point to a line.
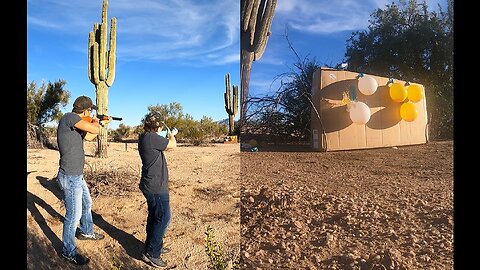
x: 70, y: 145
x: 154, y: 177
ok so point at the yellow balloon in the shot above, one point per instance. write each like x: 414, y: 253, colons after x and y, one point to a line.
x: 415, y: 92
x: 408, y: 111
x: 398, y: 92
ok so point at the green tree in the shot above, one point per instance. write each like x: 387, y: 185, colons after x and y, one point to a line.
x: 44, y: 101
x: 190, y: 130
x: 406, y: 41
x: 172, y: 112
x: 123, y: 131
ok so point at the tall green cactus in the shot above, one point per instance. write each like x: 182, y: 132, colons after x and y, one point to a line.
x: 256, y: 19
x: 101, y: 69
x: 231, y: 104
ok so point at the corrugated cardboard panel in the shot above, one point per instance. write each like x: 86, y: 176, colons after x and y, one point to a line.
x: 336, y: 131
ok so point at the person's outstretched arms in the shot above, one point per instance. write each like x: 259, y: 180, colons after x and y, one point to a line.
x: 91, y: 128
x: 172, y: 141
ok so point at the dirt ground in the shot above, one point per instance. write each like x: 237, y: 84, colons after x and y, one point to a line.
x: 387, y: 208
x: 204, y: 192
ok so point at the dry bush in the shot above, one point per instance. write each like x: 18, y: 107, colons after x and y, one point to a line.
x: 103, y: 179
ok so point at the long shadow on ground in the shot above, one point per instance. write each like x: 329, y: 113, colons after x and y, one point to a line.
x: 132, y: 246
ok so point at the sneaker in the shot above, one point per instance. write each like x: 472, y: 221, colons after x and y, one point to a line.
x: 155, y: 262
x: 165, y: 250
x: 76, y: 259
x: 94, y: 236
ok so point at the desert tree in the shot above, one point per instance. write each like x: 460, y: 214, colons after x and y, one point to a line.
x: 287, y: 111
x: 190, y: 130
x: 43, y: 106
x: 44, y: 101
x: 122, y: 131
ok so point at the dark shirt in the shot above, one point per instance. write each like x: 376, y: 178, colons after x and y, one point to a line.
x: 70, y: 145
x: 154, y: 178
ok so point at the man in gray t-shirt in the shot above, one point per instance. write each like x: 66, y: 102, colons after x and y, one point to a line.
x: 154, y: 185
x: 72, y: 129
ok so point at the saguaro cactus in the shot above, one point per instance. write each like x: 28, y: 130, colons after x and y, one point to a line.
x: 101, y: 69
x: 231, y: 103
x: 256, y: 19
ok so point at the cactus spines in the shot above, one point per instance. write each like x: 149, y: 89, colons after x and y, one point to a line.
x: 256, y: 20
x: 101, y: 68
x: 231, y: 103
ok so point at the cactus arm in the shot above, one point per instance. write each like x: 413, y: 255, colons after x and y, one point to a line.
x: 227, y: 94
x: 112, y: 52
x: 103, y: 42
x: 91, y: 40
x: 96, y: 79
x: 262, y: 28
x: 235, y: 100
x: 253, y: 20
x: 248, y: 7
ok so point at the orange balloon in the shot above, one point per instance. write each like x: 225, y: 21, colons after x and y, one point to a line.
x: 398, y: 92
x: 408, y: 111
x: 415, y: 92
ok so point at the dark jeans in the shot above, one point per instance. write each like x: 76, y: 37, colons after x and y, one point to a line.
x: 158, y: 220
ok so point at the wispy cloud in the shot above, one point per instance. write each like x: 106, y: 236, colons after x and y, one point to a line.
x: 157, y: 30
x: 325, y: 17
x: 37, y: 22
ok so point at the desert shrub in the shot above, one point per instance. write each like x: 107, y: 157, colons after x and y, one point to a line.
x: 190, y: 130
x: 218, y: 259
x: 102, y: 179
x: 38, y: 137
x: 123, y: 131
x: 117, y: 264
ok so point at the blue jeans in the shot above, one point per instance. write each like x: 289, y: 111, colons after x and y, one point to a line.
x: 78, y: 205
x: 158, y: 220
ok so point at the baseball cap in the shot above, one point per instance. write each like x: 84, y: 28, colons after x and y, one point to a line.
x: 83, y: 103
x: 154, y: 119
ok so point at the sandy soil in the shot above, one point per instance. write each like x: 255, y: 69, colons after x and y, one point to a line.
x: 389, y: 208
x: 204, y: 191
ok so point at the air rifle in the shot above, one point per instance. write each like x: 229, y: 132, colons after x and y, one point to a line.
x: 106, y: 117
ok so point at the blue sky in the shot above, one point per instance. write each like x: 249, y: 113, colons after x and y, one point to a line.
x: 167, y: 51
x: 180, y: 50
x: 316, y: 28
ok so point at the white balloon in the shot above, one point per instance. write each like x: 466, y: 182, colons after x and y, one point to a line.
x: 367, y: 85
x: 359, y: 112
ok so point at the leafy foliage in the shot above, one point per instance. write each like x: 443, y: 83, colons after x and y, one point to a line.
x: 190, y: 130
x: 44, y: 101
x: 406, y: 41
x: 123, y: 131
x: 216, y: 254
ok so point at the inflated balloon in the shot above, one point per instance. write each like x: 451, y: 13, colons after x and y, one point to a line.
x: 367, y: 85
x: 415, y: 92
x: 408, y: 111
x: 359, y: 112
x: 398, y: 92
